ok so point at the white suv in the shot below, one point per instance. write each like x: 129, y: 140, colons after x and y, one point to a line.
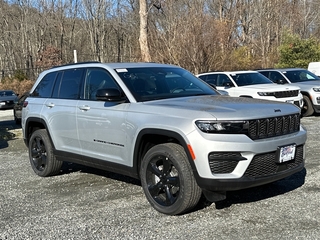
x: 162, y: 125
x: 254, y: 85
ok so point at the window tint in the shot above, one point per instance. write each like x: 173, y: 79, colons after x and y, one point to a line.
x: 210, y: 78
x: 224, y: 81
x: 70, y: 84
x: 97, y: 78
x: 44, y: 88
x: 275, y: 77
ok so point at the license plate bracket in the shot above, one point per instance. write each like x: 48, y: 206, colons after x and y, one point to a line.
x: 286, y: 153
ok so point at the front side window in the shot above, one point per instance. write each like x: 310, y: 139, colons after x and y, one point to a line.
x: 224, y: 81
x: 97, y: 78
x: 276, y: 77
x: 151, y: 83
x: 244, y: 79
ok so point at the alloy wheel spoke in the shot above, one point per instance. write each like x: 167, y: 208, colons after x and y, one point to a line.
x: 173, y: 181
x: 153, y: 168
x: 169, y: 197
x: 166, y: 166
x: 155, y: 189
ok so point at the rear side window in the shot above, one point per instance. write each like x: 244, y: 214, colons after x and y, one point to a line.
x: 44, y: 88
x: 68, y: 85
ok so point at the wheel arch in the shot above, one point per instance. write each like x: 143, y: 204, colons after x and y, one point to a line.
x: 150, y: 137
x: 33, y: 124
x: 305, y: 93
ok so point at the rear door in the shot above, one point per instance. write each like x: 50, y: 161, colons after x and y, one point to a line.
x: 60, y: 110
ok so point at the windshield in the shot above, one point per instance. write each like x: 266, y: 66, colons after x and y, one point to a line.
x: 252, y: 78
x: 148, y: 84
x: 300, y: 76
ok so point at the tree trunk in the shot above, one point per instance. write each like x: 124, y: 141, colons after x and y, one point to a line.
x: 143, y: 38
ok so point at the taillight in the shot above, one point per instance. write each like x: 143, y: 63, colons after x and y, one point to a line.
x: 25, y: 103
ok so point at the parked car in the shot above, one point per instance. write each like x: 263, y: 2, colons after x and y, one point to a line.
x: 7, y: 99
x: 162, y: 125
x: 308, y: 82
x: 252, y: 84
x: 17, y: 108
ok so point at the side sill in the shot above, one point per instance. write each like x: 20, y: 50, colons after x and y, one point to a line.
x: 96, y: 163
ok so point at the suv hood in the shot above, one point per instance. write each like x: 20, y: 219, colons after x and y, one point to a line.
x: 220, y: 107
x: 308, y: 83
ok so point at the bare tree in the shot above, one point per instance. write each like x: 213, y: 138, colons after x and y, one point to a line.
x: 143, y: 38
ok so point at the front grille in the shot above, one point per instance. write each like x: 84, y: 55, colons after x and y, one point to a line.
x: 285, y: 94
x: 272, y: 127
x: 265, y: 164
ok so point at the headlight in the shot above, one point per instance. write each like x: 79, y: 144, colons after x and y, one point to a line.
x: 316, y: 89
x: 265, y: 93
x: 226, y: 127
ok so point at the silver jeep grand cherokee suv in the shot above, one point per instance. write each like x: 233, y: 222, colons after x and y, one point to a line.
x: 162, y: 125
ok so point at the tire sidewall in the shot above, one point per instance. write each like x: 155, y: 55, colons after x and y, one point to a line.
x: 307, y: 102
x: 177, y: 160
x: 42, y: 133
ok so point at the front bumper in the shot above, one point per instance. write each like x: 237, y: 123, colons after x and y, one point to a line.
x: 263, y: 169
x: 233, y: 162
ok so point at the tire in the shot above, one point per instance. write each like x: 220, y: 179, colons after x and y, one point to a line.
x: 42, y: 159
x: 307, y: 108
x: 168, y: 181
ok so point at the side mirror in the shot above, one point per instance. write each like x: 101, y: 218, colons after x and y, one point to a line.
x: 280, y: 81
x: 109, y: 95
x: 228, y: 84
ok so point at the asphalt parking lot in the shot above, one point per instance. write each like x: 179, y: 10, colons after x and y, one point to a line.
x: 84, y: 203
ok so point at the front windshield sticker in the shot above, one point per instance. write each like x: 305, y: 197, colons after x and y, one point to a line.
x: 120, y: 70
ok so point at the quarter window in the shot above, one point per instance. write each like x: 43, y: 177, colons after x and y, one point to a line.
x: 44, y: 88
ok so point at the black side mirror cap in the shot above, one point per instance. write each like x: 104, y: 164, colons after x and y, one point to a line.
x: 109, y: 94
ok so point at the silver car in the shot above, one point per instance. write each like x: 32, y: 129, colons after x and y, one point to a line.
x: 162, y: 125
x: 308, y: 82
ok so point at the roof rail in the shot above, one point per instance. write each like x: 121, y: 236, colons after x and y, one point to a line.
x: 70, y: 64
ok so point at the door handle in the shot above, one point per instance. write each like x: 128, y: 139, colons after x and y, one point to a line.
x: 50, y: 105
x: 84, y: 108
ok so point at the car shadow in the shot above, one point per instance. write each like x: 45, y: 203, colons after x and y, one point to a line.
x: 7, y: 132
x: 68, y: 168
x: 233, y: 197
x: 259, y: 193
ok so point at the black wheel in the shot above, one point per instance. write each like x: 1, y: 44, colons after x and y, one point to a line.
x: 167, y: 179
x: 42, y: 159
x: 307, y: 109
